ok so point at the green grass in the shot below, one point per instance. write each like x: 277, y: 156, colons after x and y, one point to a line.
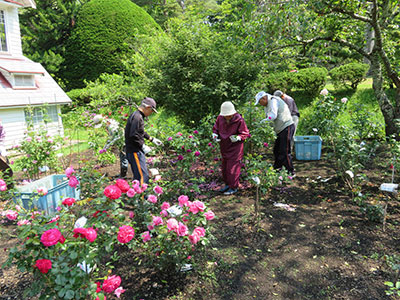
x: 77, y: 140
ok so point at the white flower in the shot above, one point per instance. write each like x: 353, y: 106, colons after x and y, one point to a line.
x: 344, y: 100
x: 113, y: 125
x: 315, y: 129
x: 256, y: 180
x: 60, y: 155
x: 324, y: 92
x: 174, y: 211
x: 81, y: 222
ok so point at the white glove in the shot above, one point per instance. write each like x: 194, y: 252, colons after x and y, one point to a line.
x: 215, y: 137
x: 157, y: 142
x: 264, y: 120
x: 146, y: 149
x: 235, y: 138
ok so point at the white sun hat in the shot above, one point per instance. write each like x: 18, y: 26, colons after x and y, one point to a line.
x: 227, y: 109
x: 260, y: 95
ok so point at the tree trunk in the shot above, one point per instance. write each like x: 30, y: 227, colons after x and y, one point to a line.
x: 389, y: 112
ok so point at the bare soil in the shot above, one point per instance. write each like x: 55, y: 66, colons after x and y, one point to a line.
x: 325, y: 249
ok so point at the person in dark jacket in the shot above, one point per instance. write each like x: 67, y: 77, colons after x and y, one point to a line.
x: 230, y: 130
x: 134, y: 139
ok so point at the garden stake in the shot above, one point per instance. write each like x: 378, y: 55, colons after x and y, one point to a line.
x: 256, y: 204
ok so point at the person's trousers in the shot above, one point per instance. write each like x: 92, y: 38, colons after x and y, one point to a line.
x: 137, y: 161
x: 123, y: 163
x: 231, y: 172
x: 282, y: 149
x: 296, y: 122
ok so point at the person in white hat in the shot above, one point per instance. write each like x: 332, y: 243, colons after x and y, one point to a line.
x: 134, y: 139
x: 278, y: 112
x: 230, y: 130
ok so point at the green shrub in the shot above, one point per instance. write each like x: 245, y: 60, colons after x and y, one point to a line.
x: 349, y: 75
x: 277, y: 81
x: 310, y: 80
x: 102, y: 37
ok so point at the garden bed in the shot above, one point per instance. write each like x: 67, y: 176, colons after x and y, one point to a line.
x: 325, y: 249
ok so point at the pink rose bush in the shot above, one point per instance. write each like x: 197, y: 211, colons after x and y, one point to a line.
x: 44, y: 265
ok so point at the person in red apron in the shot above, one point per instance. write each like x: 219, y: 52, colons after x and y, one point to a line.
x: 230, y: 130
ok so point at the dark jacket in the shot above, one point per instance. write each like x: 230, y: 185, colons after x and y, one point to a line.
x: 134, y: 132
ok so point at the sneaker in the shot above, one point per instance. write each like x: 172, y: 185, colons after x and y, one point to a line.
x: 230, y: 191
x: 224, y: 189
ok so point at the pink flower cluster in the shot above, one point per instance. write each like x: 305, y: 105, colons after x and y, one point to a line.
x: 51, y: 237
x: 73, y: 181
x: 88, y: 233
x: 68, y: 201
x: 115, y: 191
x: 3, y: 185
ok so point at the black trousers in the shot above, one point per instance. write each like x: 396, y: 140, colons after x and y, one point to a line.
x: 282, y: 149
x: 138, y: 165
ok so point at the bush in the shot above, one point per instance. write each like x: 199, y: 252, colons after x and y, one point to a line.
x: 311, y: 80
x: 277, y: 81
x: 349, y: 75
x: 101, y: 38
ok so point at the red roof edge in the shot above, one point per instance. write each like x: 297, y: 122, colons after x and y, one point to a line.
x: 14, y: 2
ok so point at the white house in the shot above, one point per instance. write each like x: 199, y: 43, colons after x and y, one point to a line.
x: 24, y: 83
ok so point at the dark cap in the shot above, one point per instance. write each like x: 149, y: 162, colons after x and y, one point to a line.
x: 150, y: 102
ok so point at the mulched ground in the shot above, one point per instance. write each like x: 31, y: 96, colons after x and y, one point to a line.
x: 325, y: 249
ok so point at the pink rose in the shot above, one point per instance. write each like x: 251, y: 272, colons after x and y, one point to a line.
x: 68, y: 201
x: 182, y: 229
x: 91, y: 234
x: 195, y: 132
x: 50, y: 237
x: 69, y: 171
x: 152, y: 199
x: 158, y: 190
x: 164, y: 213
x: 172, y: 224
x: 130, y: 193
x: 169, y: 139
x: 11, y: 215
x: 150, y: 227
x: 111, y: 284
x: 131, y: 214
x: 194, y: 238
x: 200, y: 231
x: 23, y: 222
x: 125, y: 234
x: 123, y: 185
x: 193, y: 208
x: 183, y: 200
x: 146, y: 236
x: 197, y: 153
x: 209, y: 215
x: 157, y: 221
x: 200, y: 205
x: 73, y: 181
x: 2, y: 182
x: 165, y: 205
x: 119, y: 291
x: 3, y: 188
x: 112, y: 192
x: 44, y: 265
x: 144, y: 186
x: 180, y: 157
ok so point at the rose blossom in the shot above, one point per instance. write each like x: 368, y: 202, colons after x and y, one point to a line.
x: 44, y: 265
x: 164, y: 213
x: 150, y: 227
x: 112, y: 192
x: 131, y: 214
x: 152, y: 199
x: 146, y: 236
x: 125, y: 234
x: 123, y: 185
x: 111, y: 284
x: 172, y: 224
x: 182, y: 229
x: 183, y: 200
x: 200, y: 231
x: 119, y: 291
x: 50, y: 237
x: 89, y: 233
x: 158, y: 190
x: 344, y: 100
x: 157, y: 221
x: 68, y: 201
x: 197, y: 153
x: 73, y: 181
x: 144, y: 186
x: 194, y: 238
x: 324, y: 92
x: 131, y: 193
x: 11, y: 215
x: 165, y: 205
x: 23, y: 222
x: 209, y: 215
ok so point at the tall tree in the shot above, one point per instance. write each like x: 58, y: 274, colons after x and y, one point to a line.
x: 46, y: 29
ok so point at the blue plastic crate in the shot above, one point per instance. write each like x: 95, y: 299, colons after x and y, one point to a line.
x: 308, y: 147
x: 57, y: 187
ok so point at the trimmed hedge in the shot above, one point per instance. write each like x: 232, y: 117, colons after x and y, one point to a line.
x: 101, y: 39
x: 310, y: 80
x: 349, y: 75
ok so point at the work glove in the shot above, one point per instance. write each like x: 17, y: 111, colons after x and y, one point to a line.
x: 157, y: 142
x: 146, y: 149
x: 235, y: 138
x: 215, y: 137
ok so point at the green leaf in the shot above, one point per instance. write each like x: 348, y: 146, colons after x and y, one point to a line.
x: 70, y: 294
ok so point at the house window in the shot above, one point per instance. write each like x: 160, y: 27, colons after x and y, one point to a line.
x: 37, y: 114
x: 3, y: 40
x: 24, y: 81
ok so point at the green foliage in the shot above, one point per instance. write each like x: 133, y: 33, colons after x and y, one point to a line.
x: 196, y: 70
x: 311, y: 80
x: 277, y: 81
x: 349, y: 75
x: 102, y: 37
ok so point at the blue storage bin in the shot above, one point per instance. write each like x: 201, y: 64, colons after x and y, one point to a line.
x: 308, y: 147
x: 57, y: 190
